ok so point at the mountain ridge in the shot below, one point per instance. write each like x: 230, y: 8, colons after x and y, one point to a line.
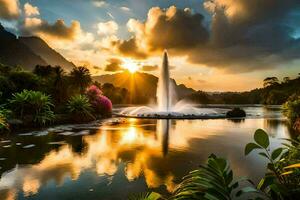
x: 142, y: 86
x: 27, y: 52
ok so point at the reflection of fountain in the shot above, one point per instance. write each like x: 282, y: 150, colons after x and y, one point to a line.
x: 163, y: 127
x: 165, y: 110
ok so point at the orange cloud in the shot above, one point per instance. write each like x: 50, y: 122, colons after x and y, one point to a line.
x: 9, y: 9
x: 30, y: 10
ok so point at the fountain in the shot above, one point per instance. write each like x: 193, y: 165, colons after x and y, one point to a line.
x: 166, y: 107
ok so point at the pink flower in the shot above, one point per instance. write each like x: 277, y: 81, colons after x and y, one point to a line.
x: 100, y: 103
x: 93, y: 91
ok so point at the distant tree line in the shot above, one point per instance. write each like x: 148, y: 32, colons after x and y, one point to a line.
x: 274, y: 92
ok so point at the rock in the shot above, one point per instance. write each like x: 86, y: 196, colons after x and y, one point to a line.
x: 296, y: 125
x: 236, y: 112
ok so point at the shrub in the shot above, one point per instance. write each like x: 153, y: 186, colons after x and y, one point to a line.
x: 24, y: 80
x: 291, y: 109
x: 80, y: 108
x: 3, y: 123
x: 33, y: 103
x: 101, y: 104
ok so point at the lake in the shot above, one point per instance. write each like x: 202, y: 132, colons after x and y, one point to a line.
x: 114, y: 158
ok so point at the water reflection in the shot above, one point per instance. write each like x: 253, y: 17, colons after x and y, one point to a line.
x: 135, y: 154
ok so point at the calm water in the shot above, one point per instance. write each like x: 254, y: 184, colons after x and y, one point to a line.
x: 118, y: 157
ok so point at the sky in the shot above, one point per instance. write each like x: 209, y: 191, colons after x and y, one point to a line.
x: 213, y: 45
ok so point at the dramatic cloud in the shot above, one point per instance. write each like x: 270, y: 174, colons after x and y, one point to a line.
x: 249, y: 35
x: 171, y: 29
x: 107, y: 28
x: 58, y: 30
x: 129, y: 48
x: 30, y: 10
x: 149, y: 68
x: 114, y: 64
x: 242, y: 36
x: 9, y: 9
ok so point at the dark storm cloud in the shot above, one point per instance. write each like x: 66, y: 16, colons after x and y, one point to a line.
x: 114, y: 64
x: 249, y: 35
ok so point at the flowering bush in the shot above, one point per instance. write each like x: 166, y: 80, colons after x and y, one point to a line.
x: 100, y: 103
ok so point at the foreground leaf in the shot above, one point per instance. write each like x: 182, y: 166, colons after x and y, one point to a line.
x: 262, y: 138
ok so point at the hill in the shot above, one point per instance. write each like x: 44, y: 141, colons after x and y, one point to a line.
x: 28, y: 52
x: 15, y: 53
x: 141, y: 86
x: 42, y: 49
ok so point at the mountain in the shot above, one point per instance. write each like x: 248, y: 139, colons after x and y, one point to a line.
x: 142, y: 86
x: 15, y: 53
x: 28, y: 52
x: 42, y: 49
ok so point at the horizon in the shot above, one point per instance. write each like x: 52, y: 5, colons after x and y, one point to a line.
x: 112, y: 36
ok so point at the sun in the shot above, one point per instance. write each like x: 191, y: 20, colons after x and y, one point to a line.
x: 130, y: 65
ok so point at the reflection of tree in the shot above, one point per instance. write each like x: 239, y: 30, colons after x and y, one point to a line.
x: 138, y: 150
x: 16, y: 155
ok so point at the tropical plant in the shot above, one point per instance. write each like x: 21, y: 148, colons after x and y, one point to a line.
x: 211, y: 181
x: 34, y: 103
x: 80, y: 107
x: 59, y: 85
x: 80, y: 78
x: 282, y: 178
x: 146, y: 196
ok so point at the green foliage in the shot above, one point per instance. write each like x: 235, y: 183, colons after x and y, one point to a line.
x: 146, y: 196
x: 282, y: 179
x: 23, y: 80
x: 4, y: 126
x: 34, y: 103
x: 80, y: 107
x: 292, y: 109
x: 211, y: 181
x: 80, y: 78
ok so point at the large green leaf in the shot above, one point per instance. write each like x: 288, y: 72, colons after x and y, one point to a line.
x: 250, y: 147
x: 276, y: 153
x: 261, y: 138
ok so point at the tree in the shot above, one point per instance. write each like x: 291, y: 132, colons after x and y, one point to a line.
x: 80, y: 78
x: 43, y: 71
x: 59, y: 84
x: 286, y: 79
x: 270, y: 81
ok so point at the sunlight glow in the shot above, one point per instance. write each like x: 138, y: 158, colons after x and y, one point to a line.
x: 130, y: 65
